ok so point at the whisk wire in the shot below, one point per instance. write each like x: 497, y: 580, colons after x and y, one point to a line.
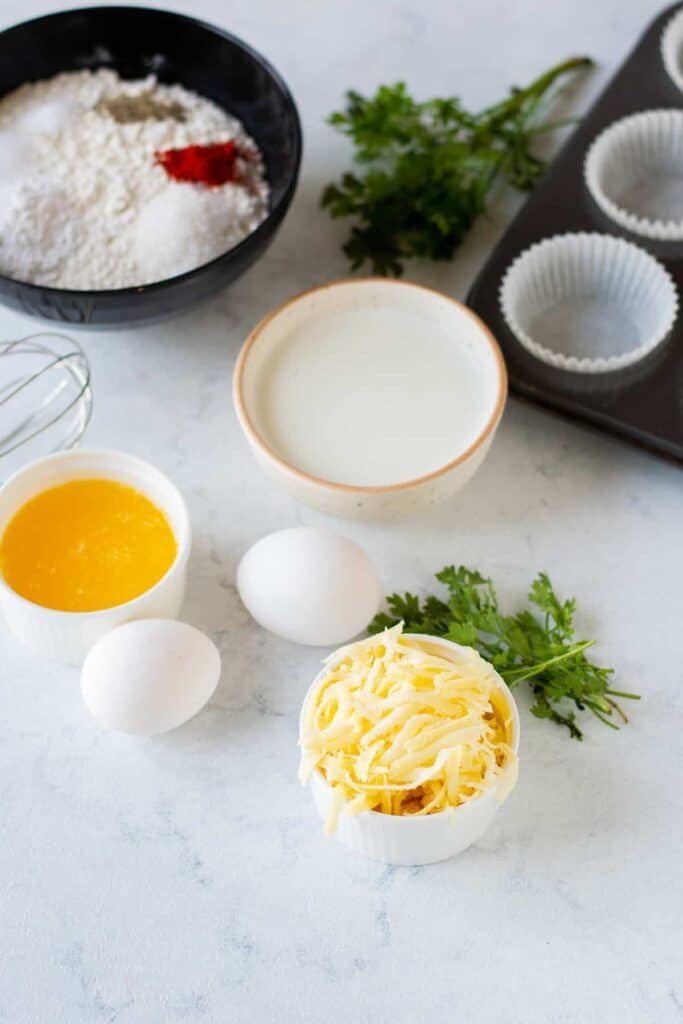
x: 66, y: 403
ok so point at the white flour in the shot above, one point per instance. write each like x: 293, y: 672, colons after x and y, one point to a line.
x: 84, y: 205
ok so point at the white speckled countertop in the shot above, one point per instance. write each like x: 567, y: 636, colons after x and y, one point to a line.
x: 186, y: 878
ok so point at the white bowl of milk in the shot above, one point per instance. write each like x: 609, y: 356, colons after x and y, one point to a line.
x: 370, y: 398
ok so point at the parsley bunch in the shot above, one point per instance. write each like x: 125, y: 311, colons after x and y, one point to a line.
x: 540, y: 649
x: 430, y: 167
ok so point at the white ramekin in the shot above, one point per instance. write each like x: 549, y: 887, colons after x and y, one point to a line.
x: 404, y: 840
x: 385, y: 501
x: 634, y: 152
x: 555, y: 279
x: 68, y: 636
x: 672, y: 48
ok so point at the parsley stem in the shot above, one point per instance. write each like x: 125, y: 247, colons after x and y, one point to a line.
x: 534, y: 670
x: 599, y: 714
x: 613, y: 704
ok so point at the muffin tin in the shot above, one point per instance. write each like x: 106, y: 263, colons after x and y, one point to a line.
x: 635, y: 388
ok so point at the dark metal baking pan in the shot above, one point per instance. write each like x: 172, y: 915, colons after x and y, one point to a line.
x: 645, y: 403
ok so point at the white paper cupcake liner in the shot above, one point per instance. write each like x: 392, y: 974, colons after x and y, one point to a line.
x: 634, y: 171
x: 588, y: 303
x: 672, y: 48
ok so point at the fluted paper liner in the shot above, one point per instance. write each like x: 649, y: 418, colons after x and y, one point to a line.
x: 672, y: 48
x: 634, y: 171
x: 588, y: 303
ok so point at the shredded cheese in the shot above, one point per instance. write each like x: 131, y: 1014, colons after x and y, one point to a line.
x: 394, y: 728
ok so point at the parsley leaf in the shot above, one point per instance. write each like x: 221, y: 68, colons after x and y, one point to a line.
x: 536, y: 645
x: 427, y: 168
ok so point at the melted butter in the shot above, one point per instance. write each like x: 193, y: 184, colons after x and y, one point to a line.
x: 86, y: 545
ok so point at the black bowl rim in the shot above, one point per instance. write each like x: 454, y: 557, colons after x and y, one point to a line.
x: 273, y: 214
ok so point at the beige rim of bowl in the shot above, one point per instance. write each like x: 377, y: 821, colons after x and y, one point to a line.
x: 259, y: 442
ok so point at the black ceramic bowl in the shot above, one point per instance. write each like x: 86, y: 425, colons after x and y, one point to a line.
x: 136, y: 41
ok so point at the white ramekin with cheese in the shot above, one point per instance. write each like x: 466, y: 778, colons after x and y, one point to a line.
x: 410, y: 745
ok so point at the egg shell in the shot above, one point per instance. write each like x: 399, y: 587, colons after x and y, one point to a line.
x: 148, y: 676
x: 309, y: 585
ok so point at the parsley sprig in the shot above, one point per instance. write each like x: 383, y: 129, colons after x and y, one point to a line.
x: 431, y: 165
x: 539, y: 648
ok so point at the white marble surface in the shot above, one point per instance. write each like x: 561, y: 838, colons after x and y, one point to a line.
x: 186, y: 877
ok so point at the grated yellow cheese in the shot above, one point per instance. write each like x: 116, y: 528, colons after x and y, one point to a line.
x: 394, y: 728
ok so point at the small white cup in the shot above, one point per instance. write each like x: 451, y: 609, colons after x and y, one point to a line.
x: 68, y: 636
x: 406, y: 839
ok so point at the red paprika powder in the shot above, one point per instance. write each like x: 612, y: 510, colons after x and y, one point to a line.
x: 212, y: 165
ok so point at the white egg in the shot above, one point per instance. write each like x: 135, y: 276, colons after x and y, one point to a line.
x: 148, y: 676
x: 309, y: 585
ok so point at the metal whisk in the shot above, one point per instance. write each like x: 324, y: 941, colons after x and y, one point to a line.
x: 45, y: 397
